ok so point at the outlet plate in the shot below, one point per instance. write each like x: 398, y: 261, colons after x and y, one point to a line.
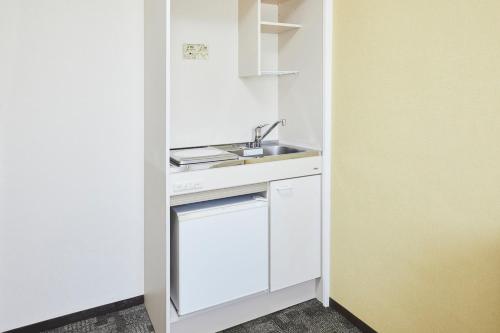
x: 195, y: 51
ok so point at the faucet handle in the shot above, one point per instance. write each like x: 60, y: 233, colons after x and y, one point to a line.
x: 258, y: 131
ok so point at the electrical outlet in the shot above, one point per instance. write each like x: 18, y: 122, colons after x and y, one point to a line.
x: 195, y: 51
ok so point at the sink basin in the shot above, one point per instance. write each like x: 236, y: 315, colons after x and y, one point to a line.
x: 279, y: 150
x: 270, y: 151
x: 275, y: 152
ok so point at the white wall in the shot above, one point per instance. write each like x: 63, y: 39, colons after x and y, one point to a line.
x: 211, y: 104
x: 71, y: 156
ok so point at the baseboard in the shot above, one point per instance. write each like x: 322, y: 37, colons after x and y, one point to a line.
x: 77, y: 316
x: 361, y: 325
x: 125, y: 304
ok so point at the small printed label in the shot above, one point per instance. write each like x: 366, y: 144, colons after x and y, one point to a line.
x: 195, y: 51
x: 188, y: 186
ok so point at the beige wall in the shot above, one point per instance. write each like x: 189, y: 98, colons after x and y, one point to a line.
x: 416, y: 230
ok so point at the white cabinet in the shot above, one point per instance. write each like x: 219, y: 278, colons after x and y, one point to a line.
x: 295, y: 231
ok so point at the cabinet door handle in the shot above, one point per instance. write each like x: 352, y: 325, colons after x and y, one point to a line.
x: 284, y: 189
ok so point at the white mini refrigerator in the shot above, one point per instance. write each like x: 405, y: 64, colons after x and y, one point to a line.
x: 219, y: 252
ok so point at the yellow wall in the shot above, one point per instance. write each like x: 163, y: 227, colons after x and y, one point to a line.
x: 416, y: 230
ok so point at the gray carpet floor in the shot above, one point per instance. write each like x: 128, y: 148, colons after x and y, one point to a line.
x: 308, y: 317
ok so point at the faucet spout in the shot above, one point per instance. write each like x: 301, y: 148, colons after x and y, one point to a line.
x: 259, y: 137
x: 273, y: 126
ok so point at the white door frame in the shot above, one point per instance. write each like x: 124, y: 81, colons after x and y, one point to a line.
x: 327, y: 148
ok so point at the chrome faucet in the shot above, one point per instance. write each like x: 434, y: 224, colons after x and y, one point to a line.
x: 258, y: 136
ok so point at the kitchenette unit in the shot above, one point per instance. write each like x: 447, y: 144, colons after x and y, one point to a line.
x: 237, y: 159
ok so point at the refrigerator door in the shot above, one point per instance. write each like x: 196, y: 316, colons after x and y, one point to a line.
x: 219, y: 252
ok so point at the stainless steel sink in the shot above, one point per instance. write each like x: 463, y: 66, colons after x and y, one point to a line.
x: 280, y: 150
x: 275, y: 152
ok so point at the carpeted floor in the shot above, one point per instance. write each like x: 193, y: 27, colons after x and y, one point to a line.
x: 131, y: 320
x: 308, y: 317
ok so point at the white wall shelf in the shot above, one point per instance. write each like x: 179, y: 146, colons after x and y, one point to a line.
x: 276, y: 27
x: 251, y: 48
x: 274, y: 2
x: 276, y: 72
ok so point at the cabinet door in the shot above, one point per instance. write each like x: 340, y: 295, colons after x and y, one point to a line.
x: 295, y: 238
